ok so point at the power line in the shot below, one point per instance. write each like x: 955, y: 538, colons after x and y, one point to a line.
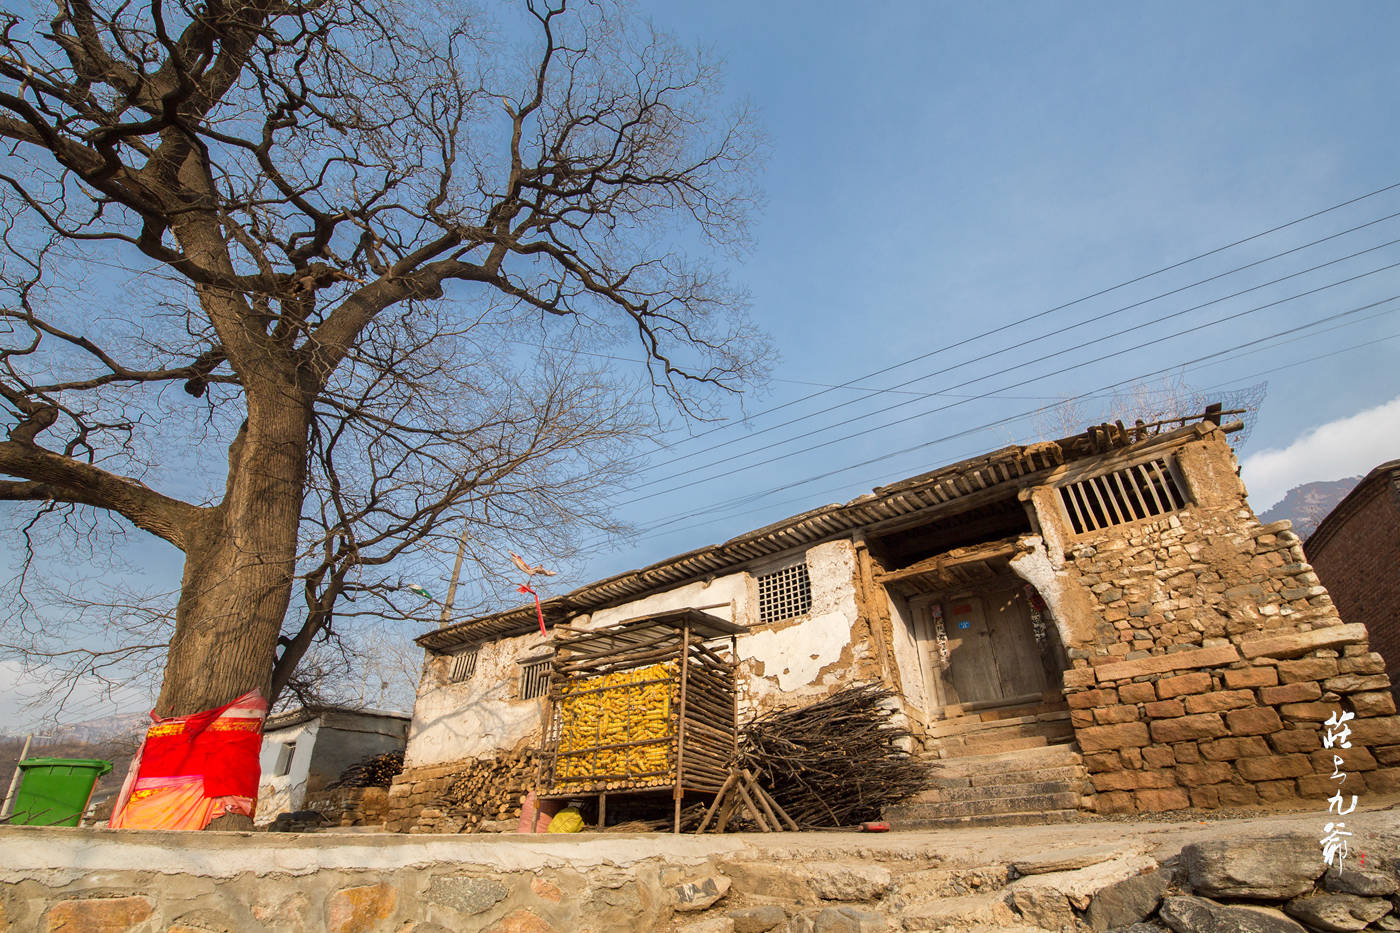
x: 1025, y: 320
x: 737, y: 511
x: 1021, y: 382
x: 1029, y: 340
x: 1001, y: 421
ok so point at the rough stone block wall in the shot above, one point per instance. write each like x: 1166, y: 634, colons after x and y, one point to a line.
x: 1216, y: 657
x: 351, y: 806
x: 1359, y: 563
x: 415, y: 803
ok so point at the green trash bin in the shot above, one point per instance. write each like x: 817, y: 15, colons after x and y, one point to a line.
x: 56, y: 791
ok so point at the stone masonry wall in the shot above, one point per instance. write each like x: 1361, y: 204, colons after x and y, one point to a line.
x: 351, y: 806
x: 470, y: 795
x: 415, y: 799
x: 1215, y: 658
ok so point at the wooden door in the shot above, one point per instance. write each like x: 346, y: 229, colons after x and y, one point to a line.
x: 992, y: 653
x: 1020, y: 667
x: 971, y: 670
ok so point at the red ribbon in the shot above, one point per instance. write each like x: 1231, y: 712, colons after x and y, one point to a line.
x: 538, y: 611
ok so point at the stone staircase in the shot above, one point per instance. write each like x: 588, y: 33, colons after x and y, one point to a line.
x: 988, y: 729
x: 1037, y: 784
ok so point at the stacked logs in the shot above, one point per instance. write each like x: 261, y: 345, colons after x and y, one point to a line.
x: 374, y: 771
x: 491, y: 788
x: 836, y: 762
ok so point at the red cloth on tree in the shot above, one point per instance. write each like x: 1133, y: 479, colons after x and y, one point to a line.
x: 191, y: 769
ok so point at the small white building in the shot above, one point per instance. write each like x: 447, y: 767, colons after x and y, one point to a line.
x: 303, y: 751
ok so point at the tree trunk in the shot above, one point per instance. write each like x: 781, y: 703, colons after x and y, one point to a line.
x: 240, y: 562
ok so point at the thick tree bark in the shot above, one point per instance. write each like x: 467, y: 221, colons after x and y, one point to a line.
x: 239, y: 563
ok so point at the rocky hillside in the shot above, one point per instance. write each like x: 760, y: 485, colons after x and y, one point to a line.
x: 1307, y: 505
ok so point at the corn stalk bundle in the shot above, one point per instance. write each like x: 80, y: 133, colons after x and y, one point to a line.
x: 835, y: 762
x: 374, y: 771
x: 621, y: 722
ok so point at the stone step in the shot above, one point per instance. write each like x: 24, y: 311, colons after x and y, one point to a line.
x: 1018, y: 803
x: 966, y: 724
x: 1033, y: 776
x: 958, y: 747
x: 990, y: 819
x: 999, y: 763
x: 945, y: 913
x: 992, y: 791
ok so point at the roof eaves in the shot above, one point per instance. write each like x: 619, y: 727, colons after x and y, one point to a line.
x: 1008, y: 465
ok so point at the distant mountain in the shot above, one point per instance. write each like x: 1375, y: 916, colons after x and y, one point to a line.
x: 121, y: 727
x: 1308, y: 504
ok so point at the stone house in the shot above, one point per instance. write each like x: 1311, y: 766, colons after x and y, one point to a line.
x: 305, y: 751
x: 1099, y: 622
x: 1355, y: 550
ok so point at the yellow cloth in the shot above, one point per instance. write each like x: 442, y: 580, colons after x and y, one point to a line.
x: 567, y: 820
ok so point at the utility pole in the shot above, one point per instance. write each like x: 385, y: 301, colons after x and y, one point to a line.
x: 445, y: 618
x: 14, y: 779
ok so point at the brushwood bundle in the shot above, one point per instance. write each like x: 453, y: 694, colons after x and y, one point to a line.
x: 835, y: 762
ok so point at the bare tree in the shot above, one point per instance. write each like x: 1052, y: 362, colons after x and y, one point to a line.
x: 1170, y: 398
x: 303, y: 197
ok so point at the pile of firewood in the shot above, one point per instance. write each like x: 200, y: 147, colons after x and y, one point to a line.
x: 374, y: 771
x: 835, y: 762
x: 491, y: 789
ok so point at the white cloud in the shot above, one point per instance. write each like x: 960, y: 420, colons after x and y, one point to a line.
x: 1346, y: 447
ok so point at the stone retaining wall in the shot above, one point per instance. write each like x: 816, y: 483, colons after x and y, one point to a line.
x: 1029, y: 879
x: 1216, y: 659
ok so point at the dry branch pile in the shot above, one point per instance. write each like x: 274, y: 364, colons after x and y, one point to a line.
x: 836, y: 762
x: 491, y: 789
x: 374, y: 771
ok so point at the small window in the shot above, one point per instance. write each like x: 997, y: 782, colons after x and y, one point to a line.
x: 463, y: 665
x: 1123, y: 496
x: 534, y: 678
x: 284, y: 759
x: 784, y: 594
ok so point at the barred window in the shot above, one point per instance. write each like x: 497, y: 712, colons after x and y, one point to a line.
x: 1126, y: 495
x: 534, y: 678
x: 784, y: 594
x: 463, y: 665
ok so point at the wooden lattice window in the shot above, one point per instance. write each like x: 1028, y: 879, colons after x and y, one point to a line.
x: 1127, y: 495
x: 463, y: 665
x: 534, y: 678
x: 784, y: 594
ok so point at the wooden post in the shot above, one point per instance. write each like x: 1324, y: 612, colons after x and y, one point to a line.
x: 602, y: 810
x: 680, y: 729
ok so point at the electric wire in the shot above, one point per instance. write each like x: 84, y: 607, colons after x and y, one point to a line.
x: 1032, y: 317
x: 872, y: 392
x: 1020, y: 382
x: 751, y: 497
x: 893, y: 477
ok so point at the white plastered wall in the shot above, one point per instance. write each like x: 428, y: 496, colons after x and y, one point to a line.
x: 809, y: 655
x: 909, y: 646
x: 287, y: 792
x: 478, y: 716
x: 812, y: 654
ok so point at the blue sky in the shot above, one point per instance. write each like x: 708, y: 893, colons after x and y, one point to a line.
x: 938, y: 170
